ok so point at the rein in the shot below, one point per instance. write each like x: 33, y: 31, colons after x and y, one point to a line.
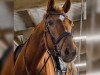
x: 55, y: 54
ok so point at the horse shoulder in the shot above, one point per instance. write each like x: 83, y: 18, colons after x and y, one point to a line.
x: 49, y: 67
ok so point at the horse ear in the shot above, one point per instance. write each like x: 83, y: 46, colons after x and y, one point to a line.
x: 50, y: 5
x: 66, y: 6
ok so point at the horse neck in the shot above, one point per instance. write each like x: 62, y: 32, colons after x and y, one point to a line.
x: 35, y: 47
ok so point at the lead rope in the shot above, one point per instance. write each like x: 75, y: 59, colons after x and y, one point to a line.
x: 80, y: 34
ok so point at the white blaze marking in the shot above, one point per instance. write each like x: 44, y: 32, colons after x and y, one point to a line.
x: 61, y: 17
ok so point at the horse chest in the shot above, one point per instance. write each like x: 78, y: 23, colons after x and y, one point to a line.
x: 50, y: 67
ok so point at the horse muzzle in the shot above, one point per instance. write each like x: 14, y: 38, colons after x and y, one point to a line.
x: 68, y: 55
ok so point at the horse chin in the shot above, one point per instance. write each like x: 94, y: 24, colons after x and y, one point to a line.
x: 67, y: 60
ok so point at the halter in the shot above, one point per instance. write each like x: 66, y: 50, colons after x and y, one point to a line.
x: 60, y: 67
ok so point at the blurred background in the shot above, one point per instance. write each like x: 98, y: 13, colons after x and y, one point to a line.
x: 19, y: 17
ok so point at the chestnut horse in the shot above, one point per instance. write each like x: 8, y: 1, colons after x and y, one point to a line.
x: 53, y: 34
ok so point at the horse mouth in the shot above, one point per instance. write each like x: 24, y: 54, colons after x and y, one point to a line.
x: 68, y: 58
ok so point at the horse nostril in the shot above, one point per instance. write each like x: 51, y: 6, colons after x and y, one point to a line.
x: 67, y: 51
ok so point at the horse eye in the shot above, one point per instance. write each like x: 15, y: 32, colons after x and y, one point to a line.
x: 51, y: 22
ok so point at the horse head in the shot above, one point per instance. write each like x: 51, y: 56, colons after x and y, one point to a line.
x: 58, y: 35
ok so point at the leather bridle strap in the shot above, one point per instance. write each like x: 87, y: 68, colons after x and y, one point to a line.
x: 48, y: 31
x: 64, y: 34
x: 45, y: 63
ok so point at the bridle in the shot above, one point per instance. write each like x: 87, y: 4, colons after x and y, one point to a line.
x: 56, y: 52
x: 56, y: 42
